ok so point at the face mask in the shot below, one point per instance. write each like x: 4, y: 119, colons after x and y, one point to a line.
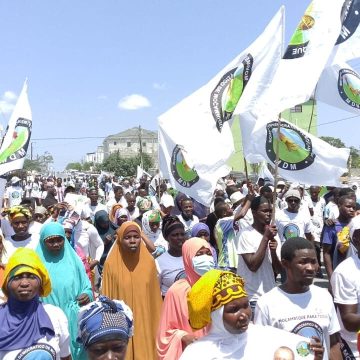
x: 203, y: 264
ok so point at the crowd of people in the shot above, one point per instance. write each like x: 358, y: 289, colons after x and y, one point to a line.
x: 125, y: 268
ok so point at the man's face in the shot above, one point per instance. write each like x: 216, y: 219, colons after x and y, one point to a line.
x: 187, y: 207
x: 93, y: 195
x: 347, y: 208
x: 59, y: 182
x: 131, y: 202
x: 293, y: 204
x: 302, y: 268
x: 263, y: 214
x: 314, y: 193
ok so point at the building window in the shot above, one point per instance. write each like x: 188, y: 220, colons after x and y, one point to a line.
x: 296, y: 109
x: 114, y: 142
x: 144, y: 144
x: 128, y: 144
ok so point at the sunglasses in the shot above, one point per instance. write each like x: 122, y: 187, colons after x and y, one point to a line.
x: 293, y: 200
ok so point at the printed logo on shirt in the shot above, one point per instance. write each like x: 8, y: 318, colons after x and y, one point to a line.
x: 303, y: 349
x: 227, y: 93
x: 309, y: 329
x: 15, y: 194
x: 180, y: 170
x: 295, y: 148
x: 291, y: 231
x: 37, y: 352
x: 349, y: 87
x: 180, y: 275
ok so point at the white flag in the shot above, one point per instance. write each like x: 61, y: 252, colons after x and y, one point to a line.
x: 305, y: 58
x: 140, y: 172
x: 264, y: 173
x: 17, y: 136
x: 347, y: 44
x: 339, y: 86
x: 303, y: 158
x: 195, y: 136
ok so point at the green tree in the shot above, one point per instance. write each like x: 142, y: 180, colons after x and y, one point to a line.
x: 336, y: 142
x: 74, y: 166
x: 32, y: 165
x: 86, y: 166
x: 121, y: 166
x: 355, y: 157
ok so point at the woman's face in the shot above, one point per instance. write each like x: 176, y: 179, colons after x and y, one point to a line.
x: 24, y: 287
x: 108, y: 350
x: 68, y: 233
x: 203, y: 251
x: 120, y: 220
x: 20, y: 225
x: 203, y: 234
x: 237, y: 315
x: 131, y: 241
x: 176, y: 239
x: 154, y: 226
x: 54, y: 244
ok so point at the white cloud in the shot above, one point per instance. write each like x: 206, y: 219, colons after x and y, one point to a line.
x: 158, y: 86
x: 134, y: 102
x: 7, y: 102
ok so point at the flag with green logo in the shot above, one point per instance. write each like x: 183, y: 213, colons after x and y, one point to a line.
x: 195, y: 137
x: 16, y: 140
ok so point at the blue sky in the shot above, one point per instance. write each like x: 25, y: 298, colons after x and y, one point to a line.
x: 85, y: 59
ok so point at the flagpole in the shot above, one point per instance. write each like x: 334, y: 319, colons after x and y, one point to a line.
x: 276, y: 168
x: 246, y: 169
x: 312, y: 111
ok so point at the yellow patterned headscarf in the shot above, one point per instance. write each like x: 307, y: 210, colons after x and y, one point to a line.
x: 213, y: 290
x: 16, y: 211
x: 27, y: 260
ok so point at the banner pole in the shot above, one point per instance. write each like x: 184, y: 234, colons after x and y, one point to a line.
x: 276, y: 168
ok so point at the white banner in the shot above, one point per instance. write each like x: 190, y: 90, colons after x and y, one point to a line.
x: 339, y: 86
x: 303, y: 158
x: 17, y: 136
x: 305, y: 58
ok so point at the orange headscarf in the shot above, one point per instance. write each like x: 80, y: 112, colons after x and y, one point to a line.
x: 132, y: 278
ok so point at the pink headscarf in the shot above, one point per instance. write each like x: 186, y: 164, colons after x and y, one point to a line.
x: 189, y: 250
x: 174, y: 321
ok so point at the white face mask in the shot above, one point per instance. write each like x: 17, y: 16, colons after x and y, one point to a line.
x: 203, y: 264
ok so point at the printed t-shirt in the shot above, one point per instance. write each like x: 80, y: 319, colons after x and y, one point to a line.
x: 169, y: 269
x: 308, y: 314
x: 345, y: 283
x: 53, y: 349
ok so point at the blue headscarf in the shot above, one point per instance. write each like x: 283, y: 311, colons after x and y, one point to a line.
x: 105, y: 319
x: 68, y: 279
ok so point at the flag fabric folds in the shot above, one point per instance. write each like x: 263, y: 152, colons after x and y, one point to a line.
x: 303, y: 158
x: 304, y: 59
x: 339, y: 86
x: 17, y: 136
x: 195, y: 137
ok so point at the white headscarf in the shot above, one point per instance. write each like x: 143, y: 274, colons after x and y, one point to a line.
x: 354, y: 225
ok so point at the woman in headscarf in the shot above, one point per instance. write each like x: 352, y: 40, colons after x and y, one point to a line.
x: 71, y: 287
x: 202, y: 231
x: 20, y: 218
x: 107, y: 232
x: 122, y: 215
x: 151, y: 226
x: 28, y: 328
x: 129, y: 274
x: 105, y: 327
x: 175, y: 332
x: 219, y: 300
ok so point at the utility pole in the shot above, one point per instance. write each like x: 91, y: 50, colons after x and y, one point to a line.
x: 140, y: 148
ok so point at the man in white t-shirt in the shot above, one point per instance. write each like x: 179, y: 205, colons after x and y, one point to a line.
x: 345, y: 283
x: 298, y: 306
x: 14, y: 193
x: 257, y: 245
x: 291, y: 222
x: 187, y: 216
x: 89, y: 209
